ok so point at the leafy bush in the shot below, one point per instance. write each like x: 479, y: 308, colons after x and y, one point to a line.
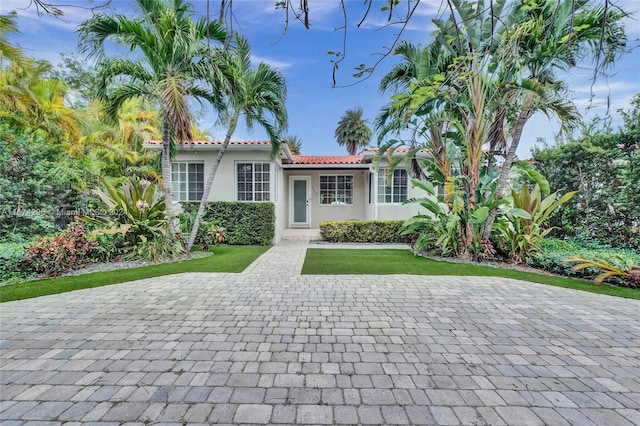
x: 35, y: 183
x: 54, y: 255
x: 604, y: 165
x: 629, y: 276
x: 525, y: 226
x: 136, y: 220
x: 244, y: 223
x: 552, y: 253
x: 10, y: 256
x: 363, y: 231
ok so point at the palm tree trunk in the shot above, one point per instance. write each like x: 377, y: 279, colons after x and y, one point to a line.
x: 166, y: 174
x: 209, y: 183
x: 516, y: 134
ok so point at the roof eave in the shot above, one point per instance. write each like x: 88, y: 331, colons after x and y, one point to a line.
x: 327, y: 166
x: 209, y: 147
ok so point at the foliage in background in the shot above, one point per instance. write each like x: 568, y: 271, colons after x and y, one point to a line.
x: 54, y: 255
x: 10, y: 256
x: 210, y: 233
x: 136, y: 215
x: 352, y: 131
x: 246, y: 223
x: 605, y: 167
x: 552, y: 253
x: 363, y: 231
x: 34, y: 182
x: 294, y: 143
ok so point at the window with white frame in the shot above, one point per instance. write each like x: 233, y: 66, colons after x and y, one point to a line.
x: 336, y: 190
x: 187, y: 181
x: 253, y: 181
x: 395, y: 190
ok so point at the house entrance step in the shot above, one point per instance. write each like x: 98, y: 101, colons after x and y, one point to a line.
x: 293, y: 234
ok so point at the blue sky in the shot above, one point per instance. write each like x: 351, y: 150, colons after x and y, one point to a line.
x: 301, y: 55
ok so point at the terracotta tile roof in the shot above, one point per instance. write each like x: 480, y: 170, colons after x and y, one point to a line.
x: 326, y: 159
x: 218, y: 143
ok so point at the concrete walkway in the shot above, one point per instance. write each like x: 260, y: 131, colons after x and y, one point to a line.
x: 270, y: 346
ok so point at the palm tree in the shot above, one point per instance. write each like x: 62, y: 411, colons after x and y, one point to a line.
x: 31, y: 101
x: 8, y: 50
x: 174, y: 62
x: 294, y: 143
x: 352, y: 131
x: 256, y: 93
x: 550, y: 37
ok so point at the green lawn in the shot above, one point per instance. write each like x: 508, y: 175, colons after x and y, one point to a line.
x: 393, y: 261
x: 225, y: 259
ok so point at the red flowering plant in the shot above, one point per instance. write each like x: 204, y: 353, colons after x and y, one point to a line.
x: 59, y: 253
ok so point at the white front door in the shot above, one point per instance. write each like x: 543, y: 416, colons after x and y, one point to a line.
x: 299, y: 198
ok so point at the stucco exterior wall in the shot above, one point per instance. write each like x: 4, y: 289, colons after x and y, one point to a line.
x: 225, y: 183
x: 365, y: 199
x: 399, y: 211
x: 320, y: 212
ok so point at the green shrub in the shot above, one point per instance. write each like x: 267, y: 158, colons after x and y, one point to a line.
x: 553, y: 251
x: 245, y: 223
x: 10, y: 256
x: 363, y: 231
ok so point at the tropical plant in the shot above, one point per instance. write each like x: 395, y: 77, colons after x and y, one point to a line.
x: 136, y: 214
x: 443, y: 229
x: 525, y: 225
x: 259, y: 94
x: 117, y: 150
x: 545, y: 37
x: 437, y: 104
x: 54, y: 255
x: 174, y: 63
x: 31, y: 101
x: 294, y: 143
x: 453, y: 124
x: 353, y: 131
x: 8, y: 50
x: 608, y: 270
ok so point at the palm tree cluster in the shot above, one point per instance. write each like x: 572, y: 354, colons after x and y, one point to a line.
x: 491, y: 66
x: 180, y: 57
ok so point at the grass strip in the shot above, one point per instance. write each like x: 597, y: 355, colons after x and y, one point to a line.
x: 394, y: 261
x: 225, y: 259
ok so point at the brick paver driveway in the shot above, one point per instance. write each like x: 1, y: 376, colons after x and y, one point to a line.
x: 272, y: 347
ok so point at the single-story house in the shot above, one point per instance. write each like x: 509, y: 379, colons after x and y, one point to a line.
x: 305, y: 189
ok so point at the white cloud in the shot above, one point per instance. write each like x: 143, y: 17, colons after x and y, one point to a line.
x: 605, y: 87
x: 430, y: 8
x: 255, y: 59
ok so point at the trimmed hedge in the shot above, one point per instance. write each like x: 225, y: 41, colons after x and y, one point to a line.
x: 363, y: 231
x: 247, y: 223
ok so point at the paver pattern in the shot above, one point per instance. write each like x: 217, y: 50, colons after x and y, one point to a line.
x: 270, y: 346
